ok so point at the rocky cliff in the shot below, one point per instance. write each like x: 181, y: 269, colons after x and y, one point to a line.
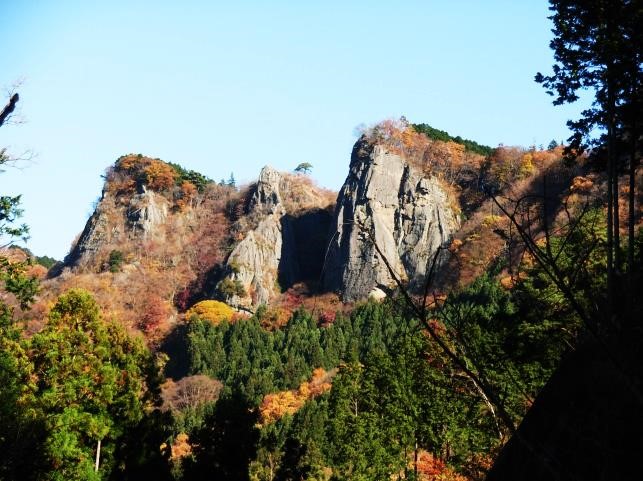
x: 247, y: 247
x: 277, y: 253
x: 387, y: 201
x: 255, y: 262
x: 114, y: 223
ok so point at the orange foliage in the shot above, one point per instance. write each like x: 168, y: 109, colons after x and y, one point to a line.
x: 581, y: 184
x: 172, y: 261
x: 155, y: 314
x: 186, y: 195
x: 159, y: 176
x: 276, y: 405
x: 180, y: 448
x: 155, y: 173
x: 431, y: 468
x: 300, y: 193
x: 455, y: 245
x: 37, y: 271
x: 448, y: 160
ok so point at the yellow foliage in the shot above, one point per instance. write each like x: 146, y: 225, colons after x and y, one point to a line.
x: 526, y: 165
x: 455, y: 245
x: 213, y: 311
x: 491, y: 220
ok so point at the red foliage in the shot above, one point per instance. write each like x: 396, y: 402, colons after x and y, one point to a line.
x: 155, y: 313
x: 327, y: 318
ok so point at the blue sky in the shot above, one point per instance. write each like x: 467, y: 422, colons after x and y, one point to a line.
x: 225, y: 87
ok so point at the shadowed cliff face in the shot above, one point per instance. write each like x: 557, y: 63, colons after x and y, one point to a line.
x: 407, y: 214
x: 308, y: 236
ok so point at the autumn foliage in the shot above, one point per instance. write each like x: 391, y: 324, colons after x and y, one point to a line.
x: 213, y: 311
x: 276, y: 405
x: 155, y: 314
x: 432, y: 468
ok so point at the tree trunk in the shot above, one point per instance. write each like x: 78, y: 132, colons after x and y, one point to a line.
x: 610, y: 193
x: 631, y: 212
x: 97, y: 456
x: 415, y: 460
x: 9, y: 108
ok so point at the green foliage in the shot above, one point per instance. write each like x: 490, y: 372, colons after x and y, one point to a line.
x: 226, y: 443
x: 257, y: 362
x: 115, y: 261
x: 46, y: 261
x: 22, y: 433
x: 400, y: 398
x: 10, y: 212
x: 304, y: 168
x: 14, y: 280
x: 443, y: 136
x: 20, y: 430
x: 92, y: 384
x: 229, y: 288
x: 199, y: 180
x: 597, y: 47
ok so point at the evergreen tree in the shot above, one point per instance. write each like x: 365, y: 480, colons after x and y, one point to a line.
x: 231, y: 181
x: 92, y: 387
x: 226, y: 443
x: 597, y: 46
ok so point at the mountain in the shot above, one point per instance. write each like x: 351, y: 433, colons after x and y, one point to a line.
x: 282, y: 297
x: 162, y: 238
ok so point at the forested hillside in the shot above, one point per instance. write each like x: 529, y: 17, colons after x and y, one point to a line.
x: 456, y: 312
x: 305, y: 387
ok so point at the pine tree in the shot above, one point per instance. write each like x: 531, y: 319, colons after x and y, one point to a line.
x: 597, y: 46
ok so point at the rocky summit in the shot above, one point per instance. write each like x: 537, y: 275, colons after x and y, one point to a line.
x: 388, y: 205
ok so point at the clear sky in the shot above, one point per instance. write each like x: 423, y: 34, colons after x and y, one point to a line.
x: 224, y: 87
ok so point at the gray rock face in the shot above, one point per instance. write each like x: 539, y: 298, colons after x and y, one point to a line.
x: 112, y: 223
x: 386, y: 200
x: 257, y: 262
x: 98, y: 232
x: 266, y: 197
x: 147, y: 211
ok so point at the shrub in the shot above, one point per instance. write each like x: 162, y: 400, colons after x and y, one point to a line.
x: 156, y: 312
x: 229, y: 288
x: 115, y: 261
x: 197, y: 179
x: 213, y: 311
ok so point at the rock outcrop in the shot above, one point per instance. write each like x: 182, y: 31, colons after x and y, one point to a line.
x: 285, y: 234
x: 285, y: 247
x: 147, y: 211
x: 113, y: 223
x: 386, y: 201
x: 255, y: 262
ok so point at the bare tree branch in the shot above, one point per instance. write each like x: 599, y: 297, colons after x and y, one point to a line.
x: 9, y: 108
